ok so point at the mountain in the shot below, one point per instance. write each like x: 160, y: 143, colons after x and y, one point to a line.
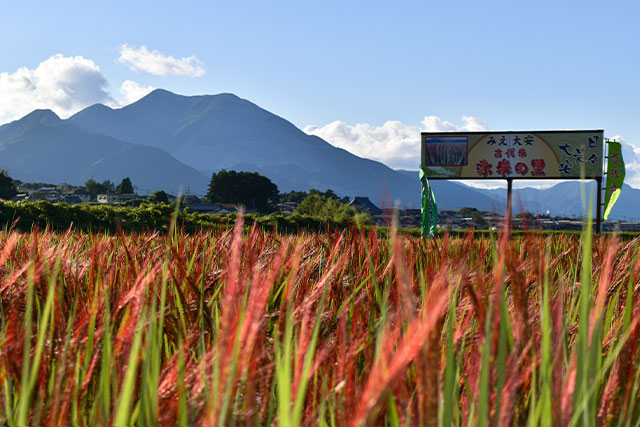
x: 41, y: 147
x: 212, y: 132
x: 167, y: 141
x: 565, y: 199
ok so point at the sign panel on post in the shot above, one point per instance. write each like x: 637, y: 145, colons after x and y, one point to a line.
x: 518, y: 155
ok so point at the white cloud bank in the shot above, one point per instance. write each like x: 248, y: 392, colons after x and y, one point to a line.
x: 155, y: 62
x: 63, y: 84
x: 394, y: 143
x: 132, y: 91
x: 397, y: 145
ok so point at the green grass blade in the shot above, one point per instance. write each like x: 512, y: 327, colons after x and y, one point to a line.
x: 449, y: 395
x: 123, y: 410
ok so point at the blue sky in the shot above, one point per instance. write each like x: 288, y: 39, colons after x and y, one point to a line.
x: 366, y: 76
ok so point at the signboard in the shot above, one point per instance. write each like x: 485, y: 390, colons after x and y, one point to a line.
x: 518, y: 155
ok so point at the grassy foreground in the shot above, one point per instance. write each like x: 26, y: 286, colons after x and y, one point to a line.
x: 344, y: 328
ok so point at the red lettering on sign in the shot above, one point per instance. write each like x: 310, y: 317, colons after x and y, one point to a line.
x: 537, y: 166
x: 483, y: 168
x: 521, y: 168
x: 504, y: 167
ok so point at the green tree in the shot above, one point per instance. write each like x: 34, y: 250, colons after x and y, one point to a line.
x: 108, y: 187
x: 7, y: 186
x: 293, y: 196
x: 94, y: 188
x: 330, y: 194
x: 125, y: 187
x: 159, y: 197
x: 328, y: 208
x: 247, y: 188
x: 298, y: 196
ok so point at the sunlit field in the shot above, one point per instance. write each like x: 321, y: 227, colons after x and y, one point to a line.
x: 335, y: 328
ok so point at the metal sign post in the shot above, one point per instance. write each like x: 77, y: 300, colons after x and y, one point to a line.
x: 599, y: 207
x: 509, y: 205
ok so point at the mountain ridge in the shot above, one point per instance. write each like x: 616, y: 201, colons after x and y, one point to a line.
x: 38, y: 150
x: 212, y: 132
x: 166, y: 141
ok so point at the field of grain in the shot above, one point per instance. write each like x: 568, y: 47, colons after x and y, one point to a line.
x: 337, y: 328
x: 446, y: 154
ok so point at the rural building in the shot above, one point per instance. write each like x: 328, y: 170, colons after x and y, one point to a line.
x: 72, y: 200
x: 107, y: 198
x: 79, y: 193
x: 287, y: 207
x: 363, y: 204
x: 204, y: 208
x: 190, y: 199
x: 20, y: 197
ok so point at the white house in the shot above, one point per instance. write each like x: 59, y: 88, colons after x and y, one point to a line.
x: 107, y: 198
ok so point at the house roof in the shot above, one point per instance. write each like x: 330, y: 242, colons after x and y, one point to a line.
x: 361, y: 203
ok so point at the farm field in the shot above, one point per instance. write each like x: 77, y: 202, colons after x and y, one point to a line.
x: 245, y: 326
x: 446, y: 153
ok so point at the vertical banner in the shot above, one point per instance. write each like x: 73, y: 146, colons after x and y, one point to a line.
x: 429, y: 207
x: 615, y: 176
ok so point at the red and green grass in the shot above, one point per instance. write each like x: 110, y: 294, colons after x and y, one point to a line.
x: 337, y: 328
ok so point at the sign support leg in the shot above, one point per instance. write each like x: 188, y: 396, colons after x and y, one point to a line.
x: 599, y: 207
x: 509, y: 206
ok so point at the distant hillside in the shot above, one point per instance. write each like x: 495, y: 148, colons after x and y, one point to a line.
x: 167, y: 141
x: 41, y: 147
x: 565, y: 199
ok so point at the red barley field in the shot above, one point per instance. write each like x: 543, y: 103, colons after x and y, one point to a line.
x: 446, y: 154
x: 245, y: 327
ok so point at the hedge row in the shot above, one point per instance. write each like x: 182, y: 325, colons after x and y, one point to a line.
x: 152, y: 217
x: 106, y: 218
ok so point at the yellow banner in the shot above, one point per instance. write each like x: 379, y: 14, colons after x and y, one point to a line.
x: 615, y: 177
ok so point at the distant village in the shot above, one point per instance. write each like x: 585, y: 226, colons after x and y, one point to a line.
x: 462, y: 219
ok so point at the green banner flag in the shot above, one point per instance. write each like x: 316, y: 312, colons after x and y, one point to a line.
x: 429, y: 207
x: 615, y: 176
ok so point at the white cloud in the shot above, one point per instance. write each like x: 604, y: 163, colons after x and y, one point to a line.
x: 132, y: 91
x: 63, y: 84
x: 155, y: 62
x: 394, y: 143
x: 435, y: 124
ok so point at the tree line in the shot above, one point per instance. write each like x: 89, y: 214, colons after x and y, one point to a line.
x: 253, y: 191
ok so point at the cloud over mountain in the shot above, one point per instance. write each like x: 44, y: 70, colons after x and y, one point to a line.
x: 63, y: 84
x: 159, y: 64
x: 436, y: 124
x: 133, y: 91
x: 394, y: 143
